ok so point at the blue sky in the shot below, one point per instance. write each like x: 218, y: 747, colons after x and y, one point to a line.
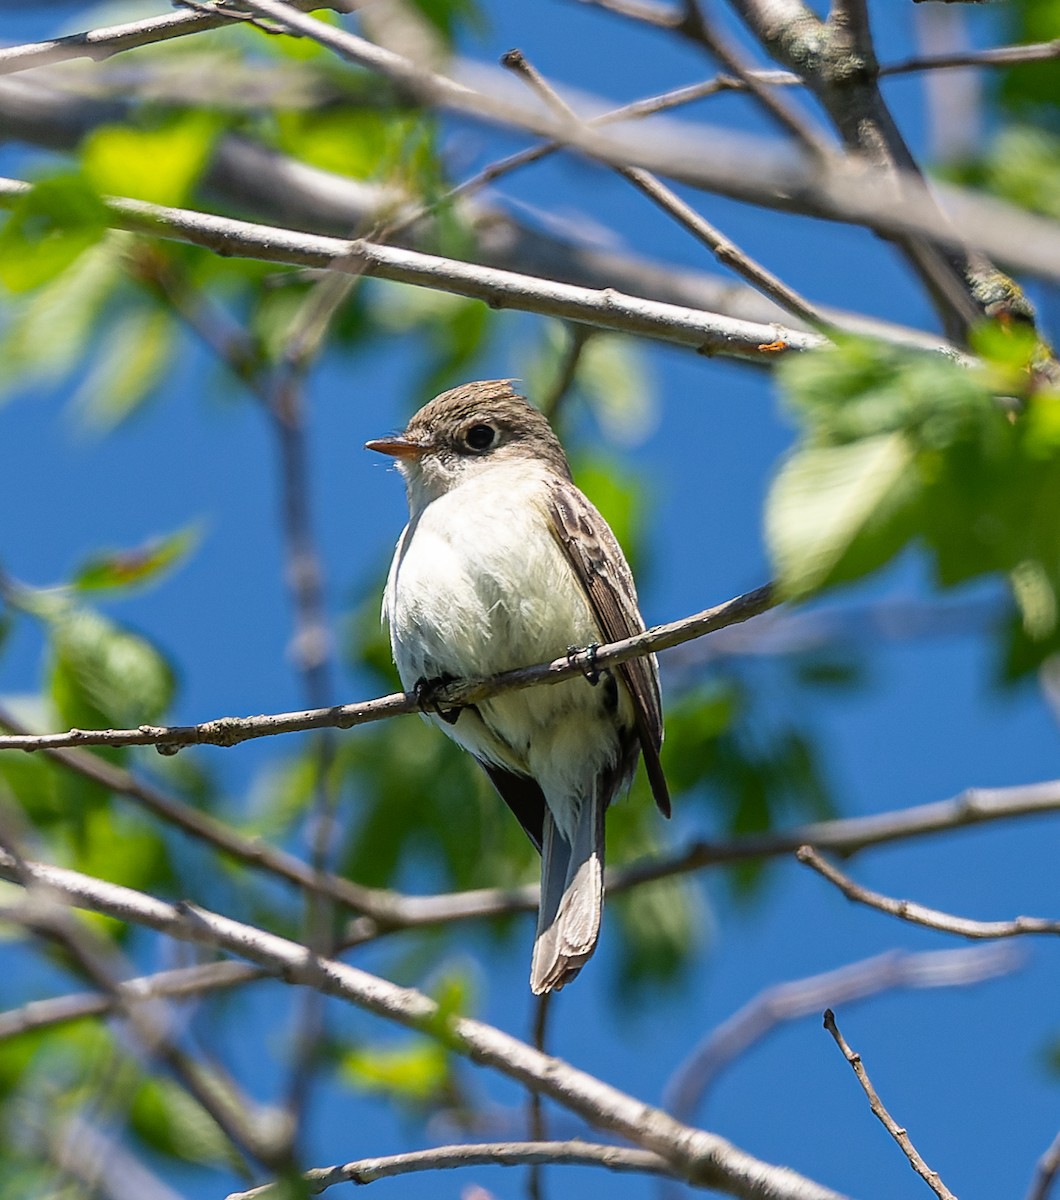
x: 962, y: 1069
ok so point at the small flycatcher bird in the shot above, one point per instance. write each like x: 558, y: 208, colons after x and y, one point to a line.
x: 504, y: 563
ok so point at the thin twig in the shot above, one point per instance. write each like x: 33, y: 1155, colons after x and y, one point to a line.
x: 197, y: 824
x: 693, y: 1154
x: 918, y: 914
x: 697, y: 28
x: 229, y: 731
x: 172, y: 985
x: 930, y: 1177
x: 793, y: 999
x: 844, y: 188
x: 993, y: 56
x: 707, y: 333
x: 536, y: 1110
x: 725, y: 250
x: 445, y: 1158
x: 1047, y: 1170
x: 578, y: 338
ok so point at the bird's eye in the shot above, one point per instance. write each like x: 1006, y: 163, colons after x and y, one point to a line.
x: 480, y: 437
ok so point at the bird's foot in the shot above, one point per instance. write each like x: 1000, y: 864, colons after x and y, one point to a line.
x: 588, y: 667
x: 426, y: 693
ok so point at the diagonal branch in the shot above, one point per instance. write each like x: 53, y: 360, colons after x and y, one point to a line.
x: 797, y: 998
x: 919, y: 914
x: 230, y: 731
x: 726, y: 251
x: 692, y: 1154
x: 170, y: 985
x: 930, y: 1177
x: 1046, y: 1173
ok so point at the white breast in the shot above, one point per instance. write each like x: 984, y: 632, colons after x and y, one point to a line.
x: 478, y: 585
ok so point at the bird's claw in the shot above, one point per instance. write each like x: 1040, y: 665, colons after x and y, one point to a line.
x: 426, y: 693
x: 588, y: 667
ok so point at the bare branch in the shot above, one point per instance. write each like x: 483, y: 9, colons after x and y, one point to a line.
x: 918, y: 914
x: 992, y: 56
x: 99, y: 44
x: 252, y: 851
x: 1045, y: 1175
x: 446, y: 1158
x: 693, y: 1154
x: 695, y: 26
x: 930, y: 1177
x: 839, y: 193
x: 171, y: 985
x: 707, y: 333
x: 846, y: 836
x: 725, y: 250
x: 229, y: 731
x: 789, y: 1001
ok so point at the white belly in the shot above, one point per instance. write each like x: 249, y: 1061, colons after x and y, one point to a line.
x: 479, y: 586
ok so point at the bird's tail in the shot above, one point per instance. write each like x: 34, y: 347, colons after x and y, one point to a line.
x: 572, y: 898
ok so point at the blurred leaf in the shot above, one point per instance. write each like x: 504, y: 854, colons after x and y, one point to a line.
x: 47, y: 229
x: 829, y: 669
x: 160, y: 165
x: 46, y: 333
x: 662, y: 926
x: 1030, y: 88
x: 899, y: 449
x: 826, y: 498
x: 750, y: 769
x: 1021, y: 165
x: 124, y: 569
x: 168, y: 1121
x: 132, y: 359
x: 612, y: 376
x: 415, y: 1072
x: 102, y: 675
x: 121, y: 847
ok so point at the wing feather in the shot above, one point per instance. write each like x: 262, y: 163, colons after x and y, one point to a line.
x: 597, y: 560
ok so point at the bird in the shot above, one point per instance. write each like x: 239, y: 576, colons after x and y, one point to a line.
x: 505, y: 563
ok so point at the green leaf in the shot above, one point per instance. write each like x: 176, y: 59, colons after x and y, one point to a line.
x: 48, y: 331
x: 613, y: 377
x: 827, y: 497
x: 132, y: 359
x: 415, y: 1072
x: 167, y: 1120
x: 662, y: 926
x: 123, y: 569
x: 102, y: 675
x: 47, y: 229
x: 161, y: 165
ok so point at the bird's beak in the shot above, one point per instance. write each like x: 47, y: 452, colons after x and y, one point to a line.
x: 396, y: 446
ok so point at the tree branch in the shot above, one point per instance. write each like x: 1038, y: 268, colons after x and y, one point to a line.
x: 725, y: 250
x: 446, y: 1158
x: 206, y: 828
x: 170, y: 985
x: 693, y: 1154
x: 930, y: 1177
x: 918, y: 914
x: 230, y: 731
x: 845, y: 836
x: 1046, y: 1173
x: 794, y: 999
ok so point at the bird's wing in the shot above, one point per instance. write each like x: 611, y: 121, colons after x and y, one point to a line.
x: 600, y: 566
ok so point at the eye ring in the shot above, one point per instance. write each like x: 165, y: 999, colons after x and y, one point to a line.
x: 480, y: 437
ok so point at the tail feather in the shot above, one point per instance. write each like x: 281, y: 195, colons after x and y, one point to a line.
x: 572, y: 898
